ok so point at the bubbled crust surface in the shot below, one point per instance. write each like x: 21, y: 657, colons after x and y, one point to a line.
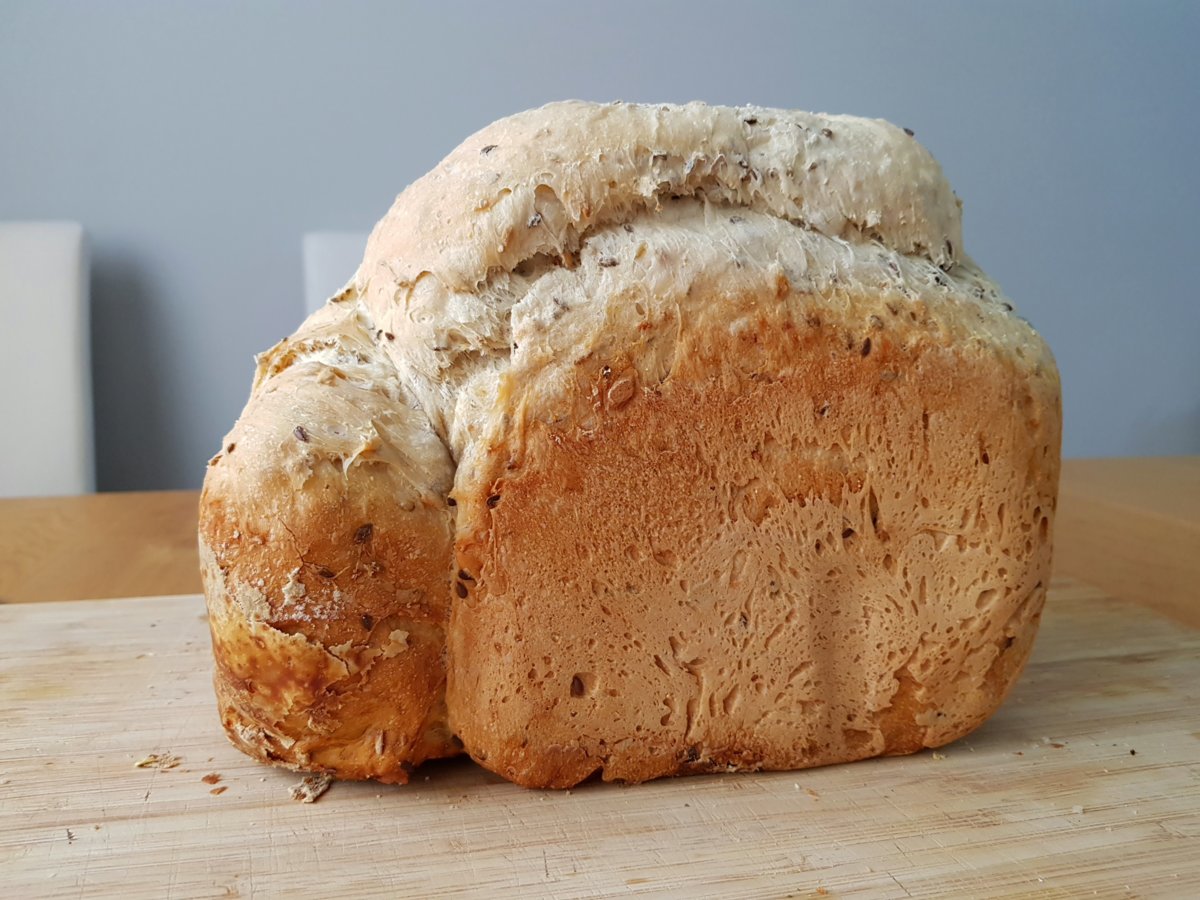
x: 324, y: 540
x: 785, y: 554
x: 786, y: 501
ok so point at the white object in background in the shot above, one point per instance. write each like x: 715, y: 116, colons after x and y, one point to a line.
x: 46, y: 400
x: 330, y: 260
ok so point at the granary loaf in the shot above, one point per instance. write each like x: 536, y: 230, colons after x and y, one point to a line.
x: 646, y: 440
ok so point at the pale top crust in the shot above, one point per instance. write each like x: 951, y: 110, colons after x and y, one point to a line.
x: 462, y: 245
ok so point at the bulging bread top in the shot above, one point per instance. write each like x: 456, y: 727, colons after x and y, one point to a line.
x: 535, y: 182
x: 462, y: 246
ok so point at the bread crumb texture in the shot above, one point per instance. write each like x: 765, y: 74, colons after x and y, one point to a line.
x: 646, y: 440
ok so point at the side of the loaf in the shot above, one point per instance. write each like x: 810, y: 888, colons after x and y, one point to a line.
x: 325, y: 543
x: 755, y: 500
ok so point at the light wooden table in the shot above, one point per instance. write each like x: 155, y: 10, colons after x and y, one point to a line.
x: 1132, y: 527
x: 99, y: 546
x: 1085, y: 783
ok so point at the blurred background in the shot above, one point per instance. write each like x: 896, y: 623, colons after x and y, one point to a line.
x: 197, y: 144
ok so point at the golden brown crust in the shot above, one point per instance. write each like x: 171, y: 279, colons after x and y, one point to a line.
x: 838, y: 552
x: 326, y: 567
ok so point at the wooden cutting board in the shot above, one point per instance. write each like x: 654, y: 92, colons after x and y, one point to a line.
x: 1087, y: 781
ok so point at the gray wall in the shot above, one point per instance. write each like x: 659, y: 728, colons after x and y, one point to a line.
x: 198, y: 141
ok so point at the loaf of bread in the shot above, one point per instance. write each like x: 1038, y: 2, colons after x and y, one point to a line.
x: 646, y: 440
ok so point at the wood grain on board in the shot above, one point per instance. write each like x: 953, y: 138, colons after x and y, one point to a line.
x: 1087, y: 780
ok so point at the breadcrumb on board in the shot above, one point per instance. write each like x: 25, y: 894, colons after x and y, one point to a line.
x: 159, y: 761
x: 310, y: 788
